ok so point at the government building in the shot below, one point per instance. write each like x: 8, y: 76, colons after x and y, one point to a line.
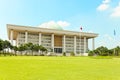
x: 54, y: 38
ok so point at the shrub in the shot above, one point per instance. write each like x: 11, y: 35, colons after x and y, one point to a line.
x: 72, y: 54
x: 105, y: 54
x: 42, y: 55
x: 91, y: 53
x: 64, y: 54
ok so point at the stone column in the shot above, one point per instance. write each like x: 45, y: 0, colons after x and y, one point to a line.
x: 93, y: 44
x: 64, y: 47
x: 75, y: 44
x: 11, y: 36
x: 39, y: 39
x: 85, y: 44
x: 26, y: 37
x: 52, y: 42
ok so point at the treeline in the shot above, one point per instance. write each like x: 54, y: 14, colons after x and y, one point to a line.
x: 25, y: 49
x: 34, y: 49
x: 104, y: 51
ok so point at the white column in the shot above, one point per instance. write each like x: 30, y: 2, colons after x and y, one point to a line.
x: 85, y: 44
x: 93, y: 44
x: 11, y: 36
x: 26, y: 37
x: 52, y: 42
x: 39, y: 39
x: 64, y: 48
x: 75, y: 44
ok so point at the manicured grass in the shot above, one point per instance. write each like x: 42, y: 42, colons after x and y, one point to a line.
x: 59, y: 68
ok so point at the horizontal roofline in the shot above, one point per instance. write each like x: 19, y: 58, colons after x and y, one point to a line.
x: 66, y: 32
x: 47, y: 28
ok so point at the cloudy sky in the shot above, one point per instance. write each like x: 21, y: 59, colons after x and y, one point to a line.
x: 99, y: 16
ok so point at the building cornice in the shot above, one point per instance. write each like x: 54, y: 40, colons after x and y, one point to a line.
x: 19, y: 28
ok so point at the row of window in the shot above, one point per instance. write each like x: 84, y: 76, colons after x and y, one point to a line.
x: 33, y: 41
x: 33, y: 37
x: 32, y: 34
x: 21, y: 40
x: 46, y: 44
x: 46, y: 38
x: 46, y: 41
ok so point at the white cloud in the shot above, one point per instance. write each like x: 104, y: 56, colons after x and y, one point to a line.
x: 108, y: 41
x: 104, y: 6
x: 116, y: 11
x: 106, y: 1
x: 105, y: 40
x: 54, y: 24
x: 108, y: 37
x: 90, y: 31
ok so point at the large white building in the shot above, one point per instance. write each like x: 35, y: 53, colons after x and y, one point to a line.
x: 54, y: 38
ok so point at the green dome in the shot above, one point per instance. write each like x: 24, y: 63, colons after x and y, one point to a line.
x: 51, y: 25
x: 55, y: 26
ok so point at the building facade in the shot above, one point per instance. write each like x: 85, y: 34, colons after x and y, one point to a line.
x: 56, y: 39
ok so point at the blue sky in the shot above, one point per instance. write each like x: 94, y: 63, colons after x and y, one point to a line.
x: 99, y: 16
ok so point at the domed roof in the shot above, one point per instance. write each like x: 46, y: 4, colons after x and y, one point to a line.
x: 57, y: 27
x: 51, y: 25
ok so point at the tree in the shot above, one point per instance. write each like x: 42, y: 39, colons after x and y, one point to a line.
x: 36, y: 47
x: 21, y: 48
x: 15, y: 48
x: 30, y: 47
x: 43, y: 49
x: 1, y: 44
x: 64, y: 53
x: 117, y: 51
x: 103, y: 51
x: 7, y: 45
x: 111, y: 52
x: 91, y: 53
x: 72, y: 54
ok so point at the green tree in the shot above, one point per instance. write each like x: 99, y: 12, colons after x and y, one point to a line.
x: 91, y: 53
x: 64, y: 53
x: 43, y: 49
x: 36, y: 47
x: 7, y: 45
x: 15, y: 48
x: 1, y: 44
x: 111, y: 52
x: 21, y: 48
x: 103, y: 51
x: 117, y: 51
x: 28, y: 48
x: 72, y: 54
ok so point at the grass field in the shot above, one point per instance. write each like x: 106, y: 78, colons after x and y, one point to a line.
x: 58, y: 68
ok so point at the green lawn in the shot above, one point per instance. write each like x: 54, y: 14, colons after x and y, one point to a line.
x: 58, y: 68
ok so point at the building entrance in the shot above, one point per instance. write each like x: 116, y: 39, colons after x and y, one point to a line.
x: 58, y: 50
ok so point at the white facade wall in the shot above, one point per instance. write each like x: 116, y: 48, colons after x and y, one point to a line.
x: 21, y: 38
x: 80, y: 45
x: 46, y: 41
x: 33, y: 38
x: 69, y: 44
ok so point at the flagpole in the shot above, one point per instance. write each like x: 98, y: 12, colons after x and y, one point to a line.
x: 80, y: 44
x: 114, y: 40
x: 80, y: 40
